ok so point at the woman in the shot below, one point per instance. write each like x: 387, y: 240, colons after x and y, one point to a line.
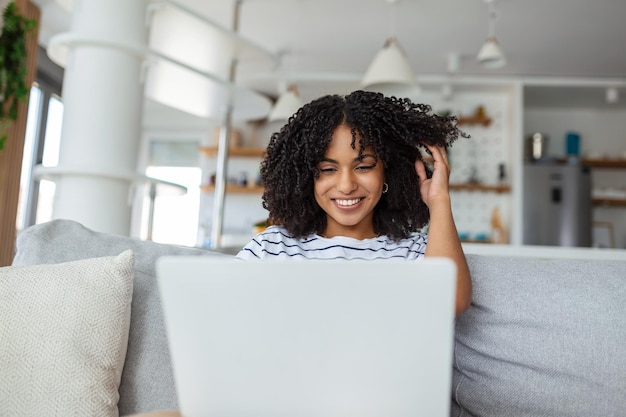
x: 344, y: 178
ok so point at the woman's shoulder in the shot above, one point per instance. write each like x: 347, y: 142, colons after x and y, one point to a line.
x: 274, y: 233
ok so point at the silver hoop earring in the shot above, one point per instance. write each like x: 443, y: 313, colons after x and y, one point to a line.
x: 385, y: 187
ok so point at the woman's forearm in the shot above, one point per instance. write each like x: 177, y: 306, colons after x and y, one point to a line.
x: 443, y: 241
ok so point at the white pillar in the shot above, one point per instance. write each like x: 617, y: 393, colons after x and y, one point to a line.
x: 103, y: 101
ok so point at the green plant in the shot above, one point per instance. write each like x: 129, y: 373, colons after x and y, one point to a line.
x: 13, y: 88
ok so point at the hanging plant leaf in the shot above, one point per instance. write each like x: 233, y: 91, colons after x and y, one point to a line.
x: 13, y: 88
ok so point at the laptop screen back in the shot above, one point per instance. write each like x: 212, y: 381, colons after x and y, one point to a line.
x: 309, y: 338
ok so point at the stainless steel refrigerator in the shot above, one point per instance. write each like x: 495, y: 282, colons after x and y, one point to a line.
x: 557, y: 204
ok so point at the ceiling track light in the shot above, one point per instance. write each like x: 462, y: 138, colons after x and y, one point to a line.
x: 490, y: 54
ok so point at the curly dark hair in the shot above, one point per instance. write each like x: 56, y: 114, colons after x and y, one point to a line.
x: 394, y: 127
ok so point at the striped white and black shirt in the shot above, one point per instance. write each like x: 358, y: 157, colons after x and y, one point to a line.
x: 276, y: 243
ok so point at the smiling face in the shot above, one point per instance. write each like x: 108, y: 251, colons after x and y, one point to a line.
x: 348, y: 187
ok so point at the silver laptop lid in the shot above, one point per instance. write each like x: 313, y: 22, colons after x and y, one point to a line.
x: 309, y: 338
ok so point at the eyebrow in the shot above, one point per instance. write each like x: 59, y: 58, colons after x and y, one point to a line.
x: 357, y: 159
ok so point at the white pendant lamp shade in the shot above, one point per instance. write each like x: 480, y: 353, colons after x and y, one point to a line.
x: 490, y: 55
x: 286, y: 106
x: 390, y: 72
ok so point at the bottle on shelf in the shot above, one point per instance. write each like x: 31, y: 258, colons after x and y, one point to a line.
x: 498, y: 231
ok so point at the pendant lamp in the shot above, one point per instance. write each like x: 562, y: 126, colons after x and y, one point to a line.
x: 390, y: 71
x: 286, y: 106
x: 490, y: 54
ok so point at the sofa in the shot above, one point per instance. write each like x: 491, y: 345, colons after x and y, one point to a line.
x: 545, y: 336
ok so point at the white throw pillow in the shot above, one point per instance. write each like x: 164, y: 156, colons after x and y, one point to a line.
x: 63, y: 336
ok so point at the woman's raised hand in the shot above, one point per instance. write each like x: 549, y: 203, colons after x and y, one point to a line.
x: 435, y: 188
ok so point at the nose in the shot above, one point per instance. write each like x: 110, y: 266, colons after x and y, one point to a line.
x: 346, y: 182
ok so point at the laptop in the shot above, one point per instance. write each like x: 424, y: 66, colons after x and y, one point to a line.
x: 309, y: 338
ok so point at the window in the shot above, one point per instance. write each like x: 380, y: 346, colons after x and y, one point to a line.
x: 41, y: 146
x: 41, y: 143
x: 168, y: 214
x: 50, y: 158
x: 29, y: 158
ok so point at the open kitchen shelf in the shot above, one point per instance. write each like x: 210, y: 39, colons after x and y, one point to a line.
x: 609, y: 202
x: 237, y: 151
x: 600, y: 162
x: 481, y: 187
x: 235, y: 189
x: 604, y: 163
x: 475, y: 120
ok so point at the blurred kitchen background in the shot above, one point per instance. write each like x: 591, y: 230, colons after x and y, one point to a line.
x: 546, y: 162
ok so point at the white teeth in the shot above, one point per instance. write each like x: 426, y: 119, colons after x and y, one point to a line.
x: 346, y: 203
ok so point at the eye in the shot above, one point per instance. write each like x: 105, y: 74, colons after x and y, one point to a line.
x: 365, y: 167
x: 326, y: 170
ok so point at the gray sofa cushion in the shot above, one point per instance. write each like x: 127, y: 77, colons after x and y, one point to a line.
x: 147, y: 381
x: 542, y: 338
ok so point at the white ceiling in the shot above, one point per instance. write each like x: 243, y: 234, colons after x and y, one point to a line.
x: 329, y: 43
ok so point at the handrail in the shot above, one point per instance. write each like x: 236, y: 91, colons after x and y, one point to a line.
x: 50, y: 173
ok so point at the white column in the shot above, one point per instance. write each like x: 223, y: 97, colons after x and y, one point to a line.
x: 103, y: 100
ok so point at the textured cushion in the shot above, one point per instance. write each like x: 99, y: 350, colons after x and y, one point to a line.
x: 147, y: 382
x: 542, y: 338
x: 63, y: 336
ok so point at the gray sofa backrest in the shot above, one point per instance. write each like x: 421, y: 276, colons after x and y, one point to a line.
x: 544, y: 337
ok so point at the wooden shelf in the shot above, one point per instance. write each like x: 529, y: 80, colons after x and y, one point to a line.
x: 604, y: 163
x: 235, y: 189
x: 241, y: 152
x: 481, y: 187
x: 599, y: 162
x: 474, y: 120
x: 610, y: 202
